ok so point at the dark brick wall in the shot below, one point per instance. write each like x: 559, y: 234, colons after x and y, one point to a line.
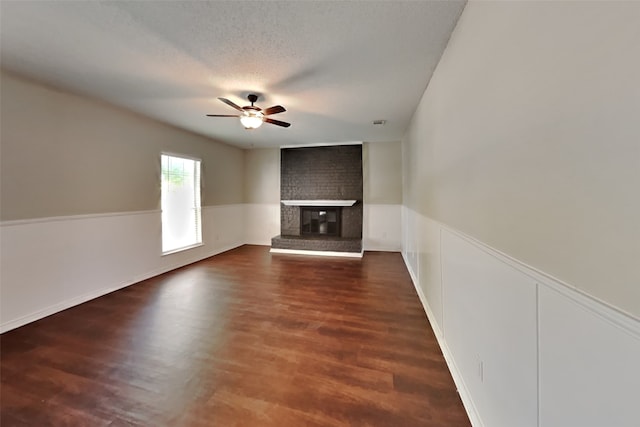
x: 289, y: 220
x: 321, y: 172
x: 314, y: 173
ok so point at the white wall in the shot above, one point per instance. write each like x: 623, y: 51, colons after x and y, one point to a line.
x: 50, y: 264
x: 520, y: 221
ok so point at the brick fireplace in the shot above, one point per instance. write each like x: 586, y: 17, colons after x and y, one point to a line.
x: 321, y: 195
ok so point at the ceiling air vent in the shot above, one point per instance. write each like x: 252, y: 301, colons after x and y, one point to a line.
x: 379, y: 122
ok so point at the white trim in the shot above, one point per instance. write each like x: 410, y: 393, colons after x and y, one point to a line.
x: 538, y: 370
x: 321, y: 144
x: 321, y: 203
x: 184, y: 248
x: 11, y: 223
x: 465, y: 396
x: 320, y: 253
x: 55, y: 308
x: 605, y: 310
x: 231, y: 205
x: 614, y: 314
x: 14, y: 222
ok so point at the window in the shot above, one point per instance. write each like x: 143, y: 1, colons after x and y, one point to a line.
x: 181, y: 222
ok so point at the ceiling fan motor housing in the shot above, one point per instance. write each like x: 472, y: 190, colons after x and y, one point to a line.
x: 252, y: 98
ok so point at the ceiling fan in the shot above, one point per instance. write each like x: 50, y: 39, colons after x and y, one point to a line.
x: 251, y: 116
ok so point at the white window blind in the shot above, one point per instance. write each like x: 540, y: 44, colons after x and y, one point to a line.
x: 181, y: 220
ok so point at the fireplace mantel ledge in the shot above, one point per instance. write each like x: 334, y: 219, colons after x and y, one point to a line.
x: 318, y: 202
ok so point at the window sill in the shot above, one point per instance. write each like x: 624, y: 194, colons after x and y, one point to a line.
x: 185, y: 248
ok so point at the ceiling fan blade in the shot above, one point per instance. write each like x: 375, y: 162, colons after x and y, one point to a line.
x: 274, y: 110
x: 277, y: 122
x: 222, y: 115
x: 231, y: 104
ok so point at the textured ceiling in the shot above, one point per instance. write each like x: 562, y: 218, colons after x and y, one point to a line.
x: 335, y: 66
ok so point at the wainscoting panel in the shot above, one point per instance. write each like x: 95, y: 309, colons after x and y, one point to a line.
x: 410, y: 242
x: 262, y: 222
x: 589, y: 366
x: 523, y: 348
x: 382, y: 228
x: 490, y: 327
x: 430, y: 266
x: 51, y: 264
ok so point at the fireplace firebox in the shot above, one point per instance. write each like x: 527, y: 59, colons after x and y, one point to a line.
x: 320, y: 221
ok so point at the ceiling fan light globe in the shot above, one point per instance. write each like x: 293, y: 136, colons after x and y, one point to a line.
x: 251, y: 120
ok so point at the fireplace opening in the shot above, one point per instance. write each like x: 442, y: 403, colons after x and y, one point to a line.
x: 320, y: 221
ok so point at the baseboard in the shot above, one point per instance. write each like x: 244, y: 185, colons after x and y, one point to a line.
x: 465, y: 396
x: 63, y: 305
x: 390, y: 248
x: 317, y: 253
x: 258, y: 242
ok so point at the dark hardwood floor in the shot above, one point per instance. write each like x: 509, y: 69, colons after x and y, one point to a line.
x: 241, y: 339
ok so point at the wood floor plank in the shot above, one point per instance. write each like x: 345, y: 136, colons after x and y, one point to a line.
x: 244, y: 338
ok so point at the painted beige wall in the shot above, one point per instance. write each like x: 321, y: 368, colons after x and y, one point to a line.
x: 528, y: 139
x: 67, y: 155
x: 382, y: 172
x: 262, y: 175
